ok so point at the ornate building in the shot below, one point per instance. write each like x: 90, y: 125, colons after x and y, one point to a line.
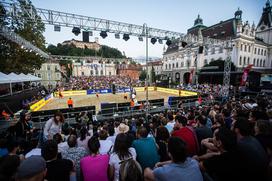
x: 250, y: 45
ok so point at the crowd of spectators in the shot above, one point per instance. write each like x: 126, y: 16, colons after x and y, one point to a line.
x: 221, y: 141
x: 100, y: 82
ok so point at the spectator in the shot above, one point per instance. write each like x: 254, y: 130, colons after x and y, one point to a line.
x: 32, y: 169
x: 8, y: 167
x: 111, y: 136
x: 35, y: 150
x: 130, y: 170
x: 202, y: 131
x: 171, y: 122
x: 74, y: 153
x: 186, y: 134
x: 227, y: 117
x: 57, y: 169
x: 62, y: 146
x: 94, y: 166
x: 263, y: 133
x: 105, y: 145
x: 146, y: 149
x: 252, y: 156
x: 23, y: 126
x: 121, y: 153
x: 162, y: 136
x: 82, y: 141
x: 180, y: 168
x: 53, y: 126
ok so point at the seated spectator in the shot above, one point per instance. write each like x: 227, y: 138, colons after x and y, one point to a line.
x: 111, y: 136
x: 57, y: 169
x: 202, y: 131
x: 225, y: 141
x: 94, y: 166
x: 35, y: 150
x: 8, y: 167
x: 121, y: 152
x: 130, y: 170
x: 263, y: 132
x: 82, y: 141
x: 32, y: 169
x: 180, y: 168
x: 253, y: 158
x: 171, y: 122
x: 74, y: 153
x: 162, y: 136
x: 105, y: 145
x: 186, y: 134
x: 62, y: 146
x: 146, y: 149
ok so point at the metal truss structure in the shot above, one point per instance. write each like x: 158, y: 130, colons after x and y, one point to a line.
x: 10, y: 35
x: 58, y: 18
x: 227, y: 71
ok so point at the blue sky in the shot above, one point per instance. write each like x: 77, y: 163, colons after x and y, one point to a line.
x: 175, y: 15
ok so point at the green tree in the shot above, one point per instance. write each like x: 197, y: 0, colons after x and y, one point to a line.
x: 142, y: 76
x: 13, y: 57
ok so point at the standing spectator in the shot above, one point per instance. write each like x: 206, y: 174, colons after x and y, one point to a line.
x: 227, y: 117
x: 162, y: 136
x: 186, y: 134
x: 171, y: 122
x: 95, y: 166
x: 74, y: 153
x: 181, y: 167
x: 105, y: 145
x: 202, y: 131
x: 57, y: 169
x: 23, y: 127
x: 146, y: 149
x: 121, y: 152
x: 35, y: 150
x: 70, y: 103
x: 53, y: 126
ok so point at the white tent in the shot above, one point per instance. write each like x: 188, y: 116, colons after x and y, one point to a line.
x: 26, y: 77
x: 17, y: 78
x: 34, y: 78
x: 4, y: 79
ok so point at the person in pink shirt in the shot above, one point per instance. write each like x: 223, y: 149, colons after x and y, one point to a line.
x: 94, y: 167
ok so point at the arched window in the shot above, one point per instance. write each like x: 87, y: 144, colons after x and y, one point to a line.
x: 165, y: 66
x: 244, y: 60
x: 263, y: 63
x: 248, y: 48
x: 91, y: 72
x: 177, y: 65
x: 169, y: 66
x: 248, y: 60
x: 173, y: 65
x: 254, y: 62
x: 262, y: 52
x: 241, y: 47
x: 257, y: 64
x: 245, y: 49
x: 240, y: 61
x: 101, y: 72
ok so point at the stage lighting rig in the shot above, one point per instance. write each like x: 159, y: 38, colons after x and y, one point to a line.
x: 160, y: 41
x: 76, y: 30
x: 117, y: 35
x: 168, y: 42
x: 153, y: 40
x: 140, y: 38
x: 103, y: 34
x: 126, y: 37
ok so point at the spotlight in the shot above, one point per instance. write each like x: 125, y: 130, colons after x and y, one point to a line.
x: 183, y: 44
x: 126, y: 37
x: 76, y: 30
x: 103, y: 34
x: 168, y: 42
x: 57, y: 28
x: 22, y: 47
x: 200, y: 50
x: 153, y: 40
x: 90, y: 33
x: 160, y: 41
x: 140, y: 38
x: 117, y: 35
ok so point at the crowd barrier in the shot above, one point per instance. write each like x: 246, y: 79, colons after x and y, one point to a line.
x: 38, y: 105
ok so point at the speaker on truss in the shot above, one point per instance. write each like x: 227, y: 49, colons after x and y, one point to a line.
x: 183, y: 44
x: 200, y: 50
x: 85, y: 36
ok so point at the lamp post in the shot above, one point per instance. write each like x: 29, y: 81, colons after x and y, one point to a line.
x: 146, y: 61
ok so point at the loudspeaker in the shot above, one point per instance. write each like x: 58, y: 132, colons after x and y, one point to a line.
x: 183, y: 44
x: 85, y: 36
x: 200, y: 50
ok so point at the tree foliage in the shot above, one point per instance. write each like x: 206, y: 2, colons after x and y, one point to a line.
x: 142, y: 76
x: 13, y: 57
x: 71, y: 50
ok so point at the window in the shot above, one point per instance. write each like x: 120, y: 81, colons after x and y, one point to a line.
x: 173, y: 65
x: 109, y: 73
x: 82, y: 73
x: 241, y: 47
x: 56, y: 68
x: 263, y: 63
x: 254, y: 61
x: 91, y: 72
x: 240, y: 61
x: 169, y: 66
x: 188, y: 63
x: 257, y: 63
x: 264, y: 52
x: 244, y: 60
x: 39, y: 75
x: 206, y: 52
x: 177, y: 65
x: 101, y: 72
x: 205, y: 62
x: 58, y: 76
x: 182, y: 64
x: 245, y: 49
x: 248, y: 48
x: 165, y: 66
x: 248, y: 60
x: 96, y: 72
x: 258, y: 51
x: 48, y: 67
x: 255, y: 50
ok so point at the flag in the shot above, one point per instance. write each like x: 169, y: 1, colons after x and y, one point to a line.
x: 191, y: 76
x: 245, y: 75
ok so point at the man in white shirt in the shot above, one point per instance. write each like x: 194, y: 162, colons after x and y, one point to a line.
x: 106, y: 146
x: 35, y: 150
x: 171, y: 122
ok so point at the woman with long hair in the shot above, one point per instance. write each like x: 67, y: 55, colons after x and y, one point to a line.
x: 83, y: 139
x: 53, y: 126
x: 121, y: 153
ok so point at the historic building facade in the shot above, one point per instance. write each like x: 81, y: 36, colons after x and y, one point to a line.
x: 250, y: 45
x: 80, y: 44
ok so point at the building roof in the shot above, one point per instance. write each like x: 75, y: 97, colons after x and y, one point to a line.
x: 266, y: 18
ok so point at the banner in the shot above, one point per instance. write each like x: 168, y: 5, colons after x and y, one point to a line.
x: 38, y: 105
x: 99, y: 91
x: 245, y: 75
x: 191, y: 76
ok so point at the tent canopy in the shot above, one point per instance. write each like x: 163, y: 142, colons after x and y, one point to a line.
x: 14, y: 78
